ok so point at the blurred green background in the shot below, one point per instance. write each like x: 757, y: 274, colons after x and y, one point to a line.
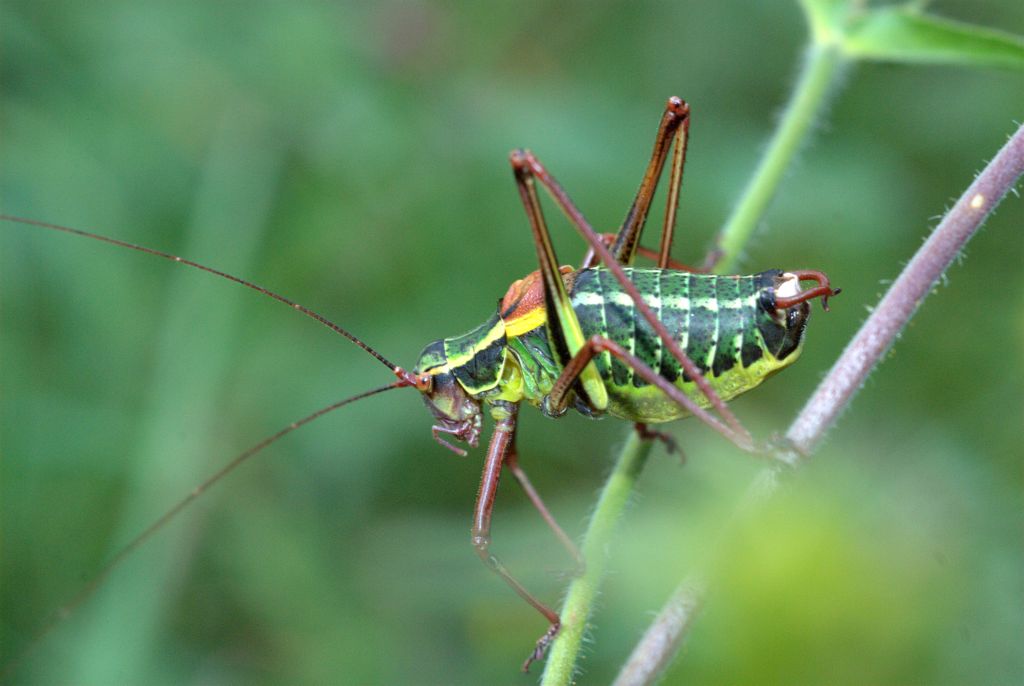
x: 354, y: 158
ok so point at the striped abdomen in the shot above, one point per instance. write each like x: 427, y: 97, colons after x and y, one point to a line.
x: 726, y: 324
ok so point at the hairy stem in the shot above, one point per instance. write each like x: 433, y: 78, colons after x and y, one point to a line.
x: 906, y: 294
x: 561, y: 662
x: 819, y: 71
x: 662, y: 640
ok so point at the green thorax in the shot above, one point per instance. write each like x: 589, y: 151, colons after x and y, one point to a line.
x: 492, y: 365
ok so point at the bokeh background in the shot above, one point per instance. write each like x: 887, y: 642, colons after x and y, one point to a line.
x: 353, y: 157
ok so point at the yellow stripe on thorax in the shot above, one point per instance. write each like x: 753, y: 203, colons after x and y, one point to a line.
x: 526, y: 322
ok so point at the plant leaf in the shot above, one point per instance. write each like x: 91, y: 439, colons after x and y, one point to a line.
x: 902, y: 34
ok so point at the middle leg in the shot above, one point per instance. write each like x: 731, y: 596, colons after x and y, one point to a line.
x: 512, y: 463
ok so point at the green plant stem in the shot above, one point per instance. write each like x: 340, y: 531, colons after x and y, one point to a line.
x: 820, y: 68
x: 561, y: 662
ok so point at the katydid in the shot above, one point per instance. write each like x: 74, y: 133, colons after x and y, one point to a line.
x: 648, y: 345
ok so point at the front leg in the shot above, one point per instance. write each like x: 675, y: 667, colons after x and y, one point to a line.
x: 503, y: 436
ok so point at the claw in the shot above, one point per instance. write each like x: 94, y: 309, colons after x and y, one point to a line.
x: 666, y: 439
x: 542, y: 645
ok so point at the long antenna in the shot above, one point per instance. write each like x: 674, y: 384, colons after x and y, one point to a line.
x: 174, y: 258
x: 66, y: 610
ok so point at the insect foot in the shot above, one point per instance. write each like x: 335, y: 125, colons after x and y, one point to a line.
x: 542, y: 645
x: 666, y: 439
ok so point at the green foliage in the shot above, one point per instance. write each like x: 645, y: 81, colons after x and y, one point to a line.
x: 362, y: 147
x: 905, y: 33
